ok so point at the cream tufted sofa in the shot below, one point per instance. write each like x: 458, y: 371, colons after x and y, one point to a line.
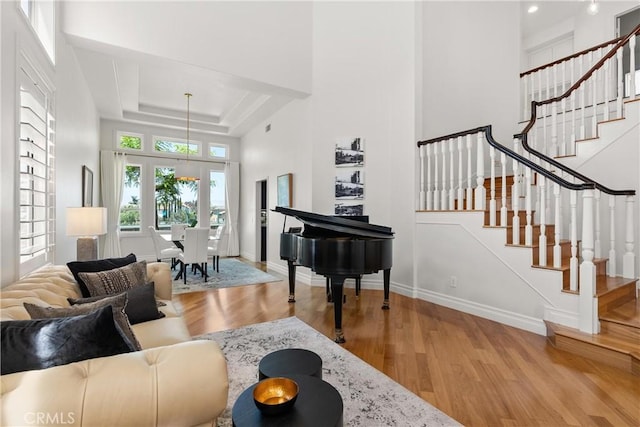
x: 173, y: 381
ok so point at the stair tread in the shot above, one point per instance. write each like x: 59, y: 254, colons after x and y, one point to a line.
x: 609, y: 284
x: 626, y: 314
x: 609, y: 341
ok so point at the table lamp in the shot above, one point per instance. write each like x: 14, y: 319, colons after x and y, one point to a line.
x: 88, y: 224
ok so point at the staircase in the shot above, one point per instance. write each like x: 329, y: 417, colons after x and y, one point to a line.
x: 555, y: 195
x: 618, y: 343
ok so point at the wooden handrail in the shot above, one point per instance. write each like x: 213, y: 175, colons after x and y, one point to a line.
x: 566, y: 58
x: 582, y: 79
x: 453, y: 135
x: 534, y: 104
x: 512, y: 154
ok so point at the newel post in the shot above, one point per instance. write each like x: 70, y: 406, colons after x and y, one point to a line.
x: 480, y: 191
x: 588, y: 302
x: 628, y: 260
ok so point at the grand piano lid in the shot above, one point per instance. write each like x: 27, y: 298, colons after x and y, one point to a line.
x: 340, y: 224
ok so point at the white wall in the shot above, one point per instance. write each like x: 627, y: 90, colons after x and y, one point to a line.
x: 471, y: 55
x: 263, y: 41
x: 76, y: 134
x: 588, y: 30
x: 77, y: 144
x: 286, y: 148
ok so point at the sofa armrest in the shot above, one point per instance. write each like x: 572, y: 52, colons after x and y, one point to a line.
x: 160, y: 274
x: 183, y: 384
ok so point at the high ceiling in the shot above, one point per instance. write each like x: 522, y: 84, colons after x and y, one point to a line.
x: 140, y: 88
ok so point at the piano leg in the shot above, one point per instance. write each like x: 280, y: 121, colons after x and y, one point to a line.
x: 387, y: 280
x: 328, y: 284
x: 292, y: 280
x: 358, y: 285
x: 336, y: 291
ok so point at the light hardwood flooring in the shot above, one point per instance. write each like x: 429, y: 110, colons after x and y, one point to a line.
x: 477, y: 371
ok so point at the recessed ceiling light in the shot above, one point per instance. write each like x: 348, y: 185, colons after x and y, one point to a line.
x: 532, y: 9
x: 593, y: 8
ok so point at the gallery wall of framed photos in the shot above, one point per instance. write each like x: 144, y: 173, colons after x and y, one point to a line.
x: 349, y: 177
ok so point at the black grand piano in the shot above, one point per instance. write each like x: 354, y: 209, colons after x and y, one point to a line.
x: 337, y: 248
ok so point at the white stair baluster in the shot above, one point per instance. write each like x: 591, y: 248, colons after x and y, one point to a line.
x: 620, y: 84
x: 563, y: 106
x: 528, y: 229
x: 492, y: 193
x: 503, y: 208
x: 422, y: 201
x: 542, y: 239
x: 573, y: 262
x: 480, y: 192
x: 594, y: 102
x: 429, y: 181
x: 583, y: 92
x: 573, y: 103
x: 607, y: 87
x: 460, y: 181
x: 597, y: 251
x: 557, y: 250
x: 444, y: 194
x: 611, y: 264
x: 469, y: 196
x: 436, y: 178
x: 452, y: 183
x: 515, y: 201
x: 632, y: 66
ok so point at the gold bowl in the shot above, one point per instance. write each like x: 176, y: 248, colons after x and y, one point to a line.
x: 275, y: 395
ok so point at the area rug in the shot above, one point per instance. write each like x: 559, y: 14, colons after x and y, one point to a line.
x: 370, y: 398
x: 233, y: 272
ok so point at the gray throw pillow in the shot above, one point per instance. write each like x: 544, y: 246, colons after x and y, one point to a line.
x: 117, y: 280
x: 141, y: 305
x: 117, y: 302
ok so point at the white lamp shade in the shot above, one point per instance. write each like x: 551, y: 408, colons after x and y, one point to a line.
x: 186, y: 171
x: 86, y: 221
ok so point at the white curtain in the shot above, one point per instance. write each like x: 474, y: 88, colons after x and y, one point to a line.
x: 112, y: 166
x: 232, y: 193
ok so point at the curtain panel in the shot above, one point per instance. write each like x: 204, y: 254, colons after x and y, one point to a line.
x: 112, y: 182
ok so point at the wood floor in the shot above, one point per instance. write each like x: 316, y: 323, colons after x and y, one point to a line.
x: 477, y: 371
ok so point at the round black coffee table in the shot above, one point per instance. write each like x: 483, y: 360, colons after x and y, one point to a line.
x: 290, y: 361
x: 318, y: 404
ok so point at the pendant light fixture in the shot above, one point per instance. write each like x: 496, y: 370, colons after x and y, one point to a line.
x: 182, y: 171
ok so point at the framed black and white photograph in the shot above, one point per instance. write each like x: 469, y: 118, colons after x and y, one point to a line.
x: 350, y: 152
x: 285, y: 190
x: 346, y: 209
x: 350, y: 184
x: 87, y: 187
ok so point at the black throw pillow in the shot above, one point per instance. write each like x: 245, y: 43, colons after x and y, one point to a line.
x: 141, y: 303
x: 97, y: 265
x: 43, y: 343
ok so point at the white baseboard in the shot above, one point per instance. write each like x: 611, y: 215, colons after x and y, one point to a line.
x: 509, y: 318
x: 561, y: 317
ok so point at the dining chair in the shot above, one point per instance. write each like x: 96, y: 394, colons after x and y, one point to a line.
x: 219, y: 247
x: 163, y: 248
x: 177, y: 234
x: 196, y: 241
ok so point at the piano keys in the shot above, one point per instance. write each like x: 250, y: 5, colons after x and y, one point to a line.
x: 337, y: 248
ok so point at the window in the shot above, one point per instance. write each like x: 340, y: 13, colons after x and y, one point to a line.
x: 217, y: 205
x: 41, y: 16
x: 37, y: 186
x: 176, y: 201
x: 218, y: 151
x: 168, y: 145
x: 131, y: 203
x: 130, y: 141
